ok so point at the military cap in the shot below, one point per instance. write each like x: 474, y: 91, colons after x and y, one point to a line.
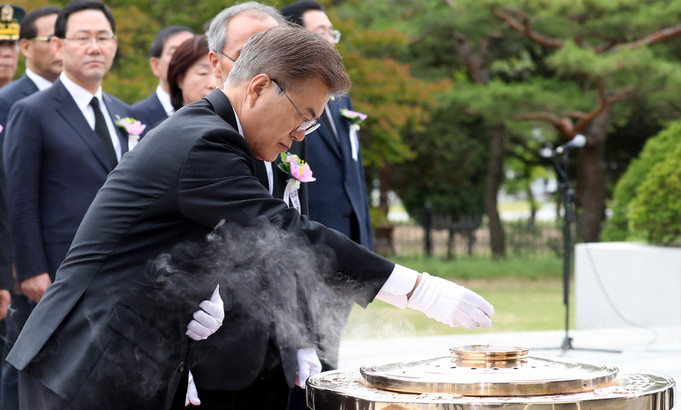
x: 10, y: 21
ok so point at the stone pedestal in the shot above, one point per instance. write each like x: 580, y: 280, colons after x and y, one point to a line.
x: 620, y: 284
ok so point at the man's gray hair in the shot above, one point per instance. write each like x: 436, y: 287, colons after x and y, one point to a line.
x: 217, y: 31
x: 291, y: 55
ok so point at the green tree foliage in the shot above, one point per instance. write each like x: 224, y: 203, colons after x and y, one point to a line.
x: 655, y: 211
x: 630, y: 197
x: 614, y: 51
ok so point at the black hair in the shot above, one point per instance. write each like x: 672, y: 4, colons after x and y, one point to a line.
x: 28, y: 28
x: 80, y: 5
x: 294, y: 11
x: 163, y: 36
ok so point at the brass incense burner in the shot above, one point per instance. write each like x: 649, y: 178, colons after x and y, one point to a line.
x: 490, y: 377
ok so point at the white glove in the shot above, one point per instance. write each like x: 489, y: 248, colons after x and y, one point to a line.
x: 208, y: 319
x: 192, y: 396
x: 449, y: 303
x: 308, y: 365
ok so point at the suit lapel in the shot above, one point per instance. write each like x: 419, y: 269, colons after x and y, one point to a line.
x: 342, y: 128
x: 69, y: 111
x: 158, y: 109
x: 115, y: 110
x: 325, y: 132
x: 28, y: 87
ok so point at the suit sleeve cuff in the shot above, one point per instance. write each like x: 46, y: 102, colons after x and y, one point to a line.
x: 395, y: 289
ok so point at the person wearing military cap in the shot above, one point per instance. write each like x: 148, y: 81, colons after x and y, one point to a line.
x: 10, y: 20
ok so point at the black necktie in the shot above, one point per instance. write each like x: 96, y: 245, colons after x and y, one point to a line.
x: 327, y: 121
x: 102, y: 132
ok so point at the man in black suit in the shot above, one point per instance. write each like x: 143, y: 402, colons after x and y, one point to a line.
x: 42, y: 66
x: 157, y: 106
x: 338, y: 198
x: 90, y: 340
x: 55, y: 160
x: 227, y: 34
x: 42, y: 69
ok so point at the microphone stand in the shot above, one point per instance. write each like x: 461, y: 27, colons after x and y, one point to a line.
x: 567, y: 195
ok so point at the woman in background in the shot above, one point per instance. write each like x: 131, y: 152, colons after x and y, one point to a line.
x: 189, y: 73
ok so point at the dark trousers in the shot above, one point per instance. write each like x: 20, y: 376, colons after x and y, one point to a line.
x: 20, y: 309
x: 34, y: 396
x: 298, y: 398
x: 268, y: 392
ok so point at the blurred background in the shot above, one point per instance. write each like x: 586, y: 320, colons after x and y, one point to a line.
x: 461, y: 97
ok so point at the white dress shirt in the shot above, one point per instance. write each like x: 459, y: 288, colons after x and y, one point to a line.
x: 164, y: 98
x: 40, y: 82
x: 82, y: 97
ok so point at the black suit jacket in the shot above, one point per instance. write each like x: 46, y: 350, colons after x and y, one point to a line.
x: 338, y: 198
x: 149, y: 112
x: 95, y: 330
x: 55, y: 165
x: 11, y: 93
x: 5, y: 236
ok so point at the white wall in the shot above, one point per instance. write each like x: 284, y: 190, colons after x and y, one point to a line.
x: 641, y: 282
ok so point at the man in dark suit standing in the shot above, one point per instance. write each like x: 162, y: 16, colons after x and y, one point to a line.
x: 338, y: 198
x: 59, y: 146
x: 42, y: 66
x: 96, y: 337
x: 227, y: 34
x: 157, y: 106
x: 42, y: 69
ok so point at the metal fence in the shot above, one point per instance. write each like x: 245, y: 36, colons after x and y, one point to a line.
x: 410, y: 239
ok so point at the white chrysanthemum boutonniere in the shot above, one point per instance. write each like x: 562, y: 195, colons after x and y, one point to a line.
x: 355, y: 119
x: 132, y: 127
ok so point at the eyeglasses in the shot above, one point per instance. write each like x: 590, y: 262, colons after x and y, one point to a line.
x: 231, y: 59
x: 332, y: 34
x: 102, y: 41
x: 42, y: 38
x: 307, y: 126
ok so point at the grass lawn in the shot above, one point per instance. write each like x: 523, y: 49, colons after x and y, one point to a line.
x: 527, y: 294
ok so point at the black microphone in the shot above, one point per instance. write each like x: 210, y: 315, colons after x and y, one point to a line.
x: 577, y: 142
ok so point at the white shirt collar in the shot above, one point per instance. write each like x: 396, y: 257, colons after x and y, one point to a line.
x: 164, y: 98
x: 80, y: 95
x: 40, y: 82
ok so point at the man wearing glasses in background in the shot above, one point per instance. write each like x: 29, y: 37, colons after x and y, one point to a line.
x: 42, y: 66
x: 61, y: 143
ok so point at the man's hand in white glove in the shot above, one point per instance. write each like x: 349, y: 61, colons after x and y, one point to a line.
x: 308, y: 365
x: 449, y: 303
x: 192, y: 396
x: 208, y: 319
